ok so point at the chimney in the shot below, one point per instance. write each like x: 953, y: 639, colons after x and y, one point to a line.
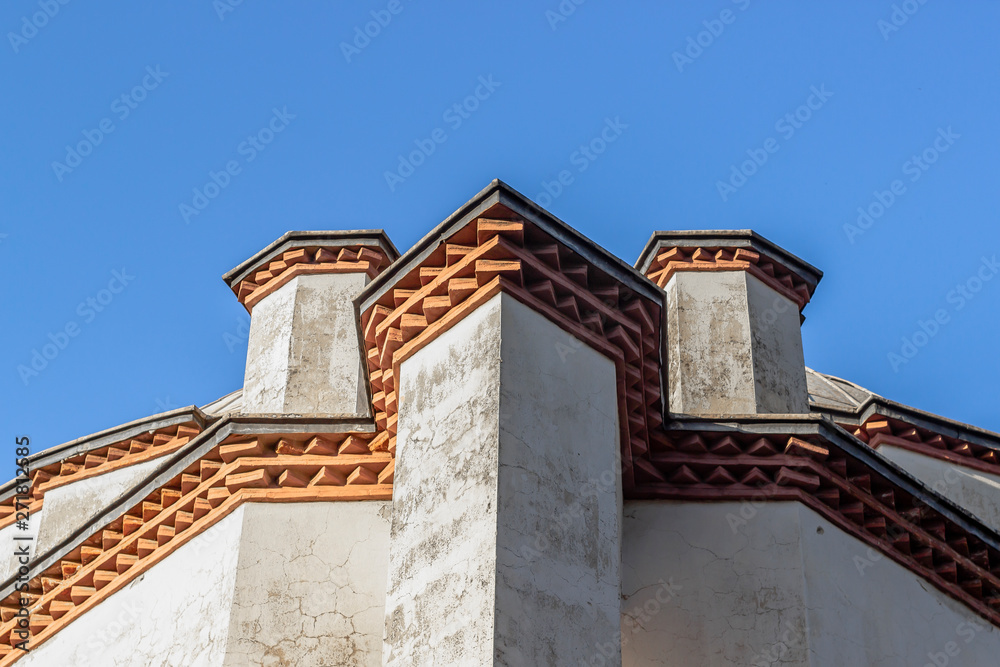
x: 304, y: 354
x: 733, y: 321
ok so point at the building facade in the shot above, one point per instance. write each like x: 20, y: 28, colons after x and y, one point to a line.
x: 509, y: 447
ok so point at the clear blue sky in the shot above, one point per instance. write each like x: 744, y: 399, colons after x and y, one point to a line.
x: 198, y: 81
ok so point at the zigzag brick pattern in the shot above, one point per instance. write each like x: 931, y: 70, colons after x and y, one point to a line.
x: 272, y: 468
x: 141, y: 448
x: 731, y: 466
x: 879, y: 430
x: 671, y: 260
x: 499, y: 254
x: 300, y: 261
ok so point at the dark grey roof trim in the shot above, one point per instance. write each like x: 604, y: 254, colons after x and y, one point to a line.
x: 292, y: 240
x: 109, y: 437
x: 730, y: 238
x: 498, y: 192
x: 175, y: 463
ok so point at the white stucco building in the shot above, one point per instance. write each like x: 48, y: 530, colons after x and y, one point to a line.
x: 509, y: 447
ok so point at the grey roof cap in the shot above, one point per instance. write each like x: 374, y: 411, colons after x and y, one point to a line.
x: 292, y: 240
x: 728, y: 238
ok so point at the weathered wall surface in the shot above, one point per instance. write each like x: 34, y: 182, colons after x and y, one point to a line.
x: 975, y: 491
x: 729, y: 585
x: 698, y: 594
x: 865, y: 609
x: 734, y: 346
x: 559, y: 532
x: 304, y: 355
x: 506, y: 532
x: 779, y: 367
x: 265, y: 378
x: 708, y: 344
x: 310, y: 585
x: 442, y: 554
x: 177, y: 613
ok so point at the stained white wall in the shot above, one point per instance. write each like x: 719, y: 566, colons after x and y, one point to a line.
x: 304, y: 354
x: 734, y: 585
x: 734, y: 346
x: 505, y: 544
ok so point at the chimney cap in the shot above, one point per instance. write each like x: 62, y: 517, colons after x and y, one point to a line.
x: 728, y: 238
x: 292, y: 240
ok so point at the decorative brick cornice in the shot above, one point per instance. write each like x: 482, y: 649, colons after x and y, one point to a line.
x: 272, y: 274
x: 880, y: 430
x: 265, y: 468
x: 85, y: 465
x: 776, y: 276
x: 670, y: 252
x: 501, y: 252
x: 842, y: 487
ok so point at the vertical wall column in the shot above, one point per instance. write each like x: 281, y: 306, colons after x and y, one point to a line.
x: 733, y: 322
x: 505, y: 544
x: 304, y: 354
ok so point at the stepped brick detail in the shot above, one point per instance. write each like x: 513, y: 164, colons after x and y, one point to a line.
x: 265, y: 468
x: 879, y: 430
x: 310, y: 260
x: 843, y: 489
x: 502, y: 253
x: 783, y: 280
x: 144, y: 447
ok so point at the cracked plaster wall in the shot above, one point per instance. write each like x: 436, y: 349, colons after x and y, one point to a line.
x: 310, y: 585
x: 506, y: 512
x: 733, y: 585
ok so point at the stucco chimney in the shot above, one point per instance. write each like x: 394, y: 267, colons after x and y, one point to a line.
x: 733, y: 321
x: 304, y: 354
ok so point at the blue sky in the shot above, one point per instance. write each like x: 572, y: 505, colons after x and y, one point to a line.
x: 116, y: 117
